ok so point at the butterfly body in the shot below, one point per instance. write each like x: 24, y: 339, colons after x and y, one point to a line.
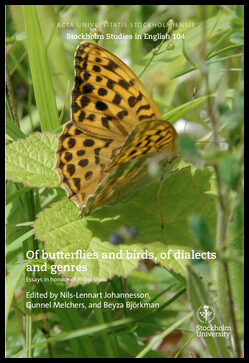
x: 103, y: 153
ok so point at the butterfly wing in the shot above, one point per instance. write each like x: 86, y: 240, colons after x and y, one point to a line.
x: 128, y: 172
x: 147, y: 138
x: 109, y: 103
x: 81, y: 160
x: 108, y: 99
x: 126, y: 179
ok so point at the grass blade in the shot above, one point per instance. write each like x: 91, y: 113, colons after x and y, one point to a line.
x: 43, y: 87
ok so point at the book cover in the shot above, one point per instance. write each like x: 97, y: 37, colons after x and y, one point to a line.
x: 125, y: 189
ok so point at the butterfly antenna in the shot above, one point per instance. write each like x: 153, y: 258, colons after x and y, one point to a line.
x: 193, y: 95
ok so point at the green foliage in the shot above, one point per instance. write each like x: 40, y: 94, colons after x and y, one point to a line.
x: 31, y: 161
x: 201, y: 232
x: 236, y: 247
x: 42, y: 82
x: 198, y: 297
x: 60, y: 224
x: 202, y: 204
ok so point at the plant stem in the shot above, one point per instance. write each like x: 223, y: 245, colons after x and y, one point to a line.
x: 100, y: 320
x: 154, y: 53
x: 11, y: 97
x: 225, y: 300
x: 28, y: 245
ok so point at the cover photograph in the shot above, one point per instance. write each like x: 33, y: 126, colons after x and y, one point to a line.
x: 124, y: 167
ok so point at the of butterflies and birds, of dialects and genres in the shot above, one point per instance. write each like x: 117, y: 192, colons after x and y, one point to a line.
x: 115, y: 128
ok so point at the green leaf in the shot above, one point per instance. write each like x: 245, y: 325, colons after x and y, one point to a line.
x: 230, y: 171
x: 188, y: 148
x: 237, y: 38
x: 62, y: 230
x: 186, y: 55
x: 91, y: 330
x: 18, y: 243
x: 61, y: 67
x: 176, y: 59
x: 13, y: 131
x: 43, y: 86
x: 181, y: 111
x: 198, y: 297
x: 12, y: 279
x: 11, y: 197
x: 201, y: 232
x: 31, y: 161
x: 237, y: 23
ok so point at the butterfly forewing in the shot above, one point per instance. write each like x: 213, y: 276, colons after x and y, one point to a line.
x: 108, y: 99
x: 81, y: 162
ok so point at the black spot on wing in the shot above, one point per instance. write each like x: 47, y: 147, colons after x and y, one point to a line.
x: 121, y: 114
x: 77, y: 183
x: 144, y: 117
x: 88, y: 175
x: 110, y: 84
x: 86, y: 75
x: 88, y: 88
x: 88, y: 142
x: 96, y: 68
x: 68, y: 156
x: 83, y: 162
x: 81, y: 152
x: 71, y: 142
x: 81, y: 116
x: 101, y: 106
x: 71, y: 169
x: 102, y: 92
x: 117, y: 99
x: 123, y: 84
x: 84, y: 101
x: 111, y: 66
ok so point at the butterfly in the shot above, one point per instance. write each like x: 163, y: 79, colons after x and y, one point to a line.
x: 103, y: 152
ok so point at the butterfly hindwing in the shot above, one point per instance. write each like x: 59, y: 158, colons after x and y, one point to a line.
x: 147, y: 138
